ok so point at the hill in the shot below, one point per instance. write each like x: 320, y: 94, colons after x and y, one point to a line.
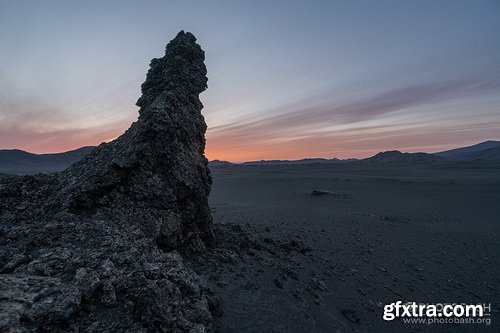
x: 484, y: 151
x: 217, y: 163
x: 21, y: 162
x: 395, y: 156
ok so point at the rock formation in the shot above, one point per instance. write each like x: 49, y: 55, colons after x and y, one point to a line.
x: 95, y: 247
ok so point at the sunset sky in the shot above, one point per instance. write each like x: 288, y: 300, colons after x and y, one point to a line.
x: 287, y: 79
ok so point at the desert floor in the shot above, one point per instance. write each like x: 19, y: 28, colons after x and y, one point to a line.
x: 289, y: 261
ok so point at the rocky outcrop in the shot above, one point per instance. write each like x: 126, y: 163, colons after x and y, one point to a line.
x: 96, y: 246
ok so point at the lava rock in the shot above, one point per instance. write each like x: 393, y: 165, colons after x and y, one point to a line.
x: 97, y: 246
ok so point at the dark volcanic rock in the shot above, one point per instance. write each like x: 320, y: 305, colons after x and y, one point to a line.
x: 94, y: 248
x: 323, y: 193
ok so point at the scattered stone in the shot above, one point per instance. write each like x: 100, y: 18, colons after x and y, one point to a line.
x: 322, y: 193
x: 318, y: 284
x: 350, y: 315
x: 279, y: 282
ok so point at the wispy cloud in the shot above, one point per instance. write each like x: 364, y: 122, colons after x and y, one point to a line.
x: 314, y: 126
x: 40, y: 125
x: 329, y: 126
x: 15, y: 133
x: 30, y: 125
x: 361, y: 110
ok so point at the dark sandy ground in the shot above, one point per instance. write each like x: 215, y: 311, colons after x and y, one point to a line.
x: 292, y: 262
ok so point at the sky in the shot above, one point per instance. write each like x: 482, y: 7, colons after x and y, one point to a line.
x: 287, y: 79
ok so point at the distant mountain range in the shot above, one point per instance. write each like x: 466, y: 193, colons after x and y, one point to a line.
x: 218, y: 163
x: 302, y: 161
x: 484, y: 151
x: 21, y: 162
x: 397, y: 156
x: 16, y: 161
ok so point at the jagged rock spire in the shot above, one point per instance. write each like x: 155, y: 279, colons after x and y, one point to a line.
x: 156, y: 170
x: 102, y: 234
x: 181, y: 68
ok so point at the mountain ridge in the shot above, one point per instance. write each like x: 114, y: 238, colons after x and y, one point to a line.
x: 398, y: 156
x: 487, y: 150
x: 20, y: 161
x: 16, y: 161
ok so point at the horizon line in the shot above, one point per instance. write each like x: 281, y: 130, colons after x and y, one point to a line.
x: 268, y: 160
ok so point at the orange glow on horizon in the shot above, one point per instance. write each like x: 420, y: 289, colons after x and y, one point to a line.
x: 227, y: 148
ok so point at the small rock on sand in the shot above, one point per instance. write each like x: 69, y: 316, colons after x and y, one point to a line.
x: 322, y: 193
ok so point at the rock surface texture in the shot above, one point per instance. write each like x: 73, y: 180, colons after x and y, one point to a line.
x: 95, y: 248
